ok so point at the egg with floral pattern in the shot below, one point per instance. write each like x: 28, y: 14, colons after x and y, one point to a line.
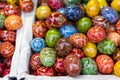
x: 73, y: 12
x: 48, y: 56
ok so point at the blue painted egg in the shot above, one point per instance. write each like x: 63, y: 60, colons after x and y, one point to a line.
x: 61, y: 10
x: 37, y: 44
x: 67, y: 30
x: 110, y: 14
x: 73, y: 12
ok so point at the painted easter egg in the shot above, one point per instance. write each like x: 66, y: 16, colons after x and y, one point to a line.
x: 39, y: 29
x: 12, y: 1
x: 8, y: 35
x: 90, y: 50
x: 52, y: 36
x: 72, y: 65
x: 116, y: 55
x: 7, y: 49
x: 106, y: 47
x: 92, y: 8
x: 3, y: 4
x: 117, y: 68
x: 2, y: 12
x: 105, y: 64
x: 37, y: 44
x: 115, y: 37
x: 110, y: 14
x: 2, y: 19
x: 42, y: 12
x: 6, y: 72
x: 100, y: 20
x: 59, y: 65
x: 45, y: 71
x: 56, y: 20
x: 13, y: 22
x: 89, y: 66
x: 35, y: 61
x: 71, y: 2
x: 61, y: 10
x: 7, y: 62
x: 56, y: 4
x: 12, y: 9
x: 96, y: 34
x: 48, y: 56
x: 73, y: 12
x: 1, y: 69
x: 102, y: 3
x: 79, y: 40
x: 116, y: 5
x: 67, y: 30
x: 63, y: 47
x: 78, y: 52
x: 26, y: 5
x: 117, y: 27
x: 84, y: 24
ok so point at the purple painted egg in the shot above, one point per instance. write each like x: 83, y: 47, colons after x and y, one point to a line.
x: 110, y: 14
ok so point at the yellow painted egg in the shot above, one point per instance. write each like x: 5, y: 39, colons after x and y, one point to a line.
x: 92, y: 8
x: 12, y: 1
x: 43, y: 12
x: 116, y: 5
x: 102, y: 3
x: 90, y: 50
x: 117, y: 68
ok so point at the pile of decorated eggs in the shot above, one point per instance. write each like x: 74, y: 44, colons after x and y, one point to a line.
x: 10, y: 22
x: 76, y: 37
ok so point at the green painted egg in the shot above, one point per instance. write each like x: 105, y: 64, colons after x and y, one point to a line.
x: 84, y: 24
x: 106, y: 47
x: 52, y: 37
x: 89, y: 66
x: 47, y: 56
x: 2, y: 18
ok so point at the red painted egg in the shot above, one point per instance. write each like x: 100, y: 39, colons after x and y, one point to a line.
x: 56, y: 4
x: 56, y: 20
x: 59, y: 65
x: 2, y: 4
x: 35, y: 61
x: 1, y: 69
x: 105, y: 64
x: 9, y: 36
x: 45, y: 71
x: 6, y: 72
x: 7, y: 49
x: 26, y: 5
x: 115, y: 37
x: 72, y: 65
x: 78, y: 52
x: 117, y: 27
x: 79, y: 40
x: 12, y: 9
x: 96, y: 34
x: 7, y: 62
x: 39, y: 29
